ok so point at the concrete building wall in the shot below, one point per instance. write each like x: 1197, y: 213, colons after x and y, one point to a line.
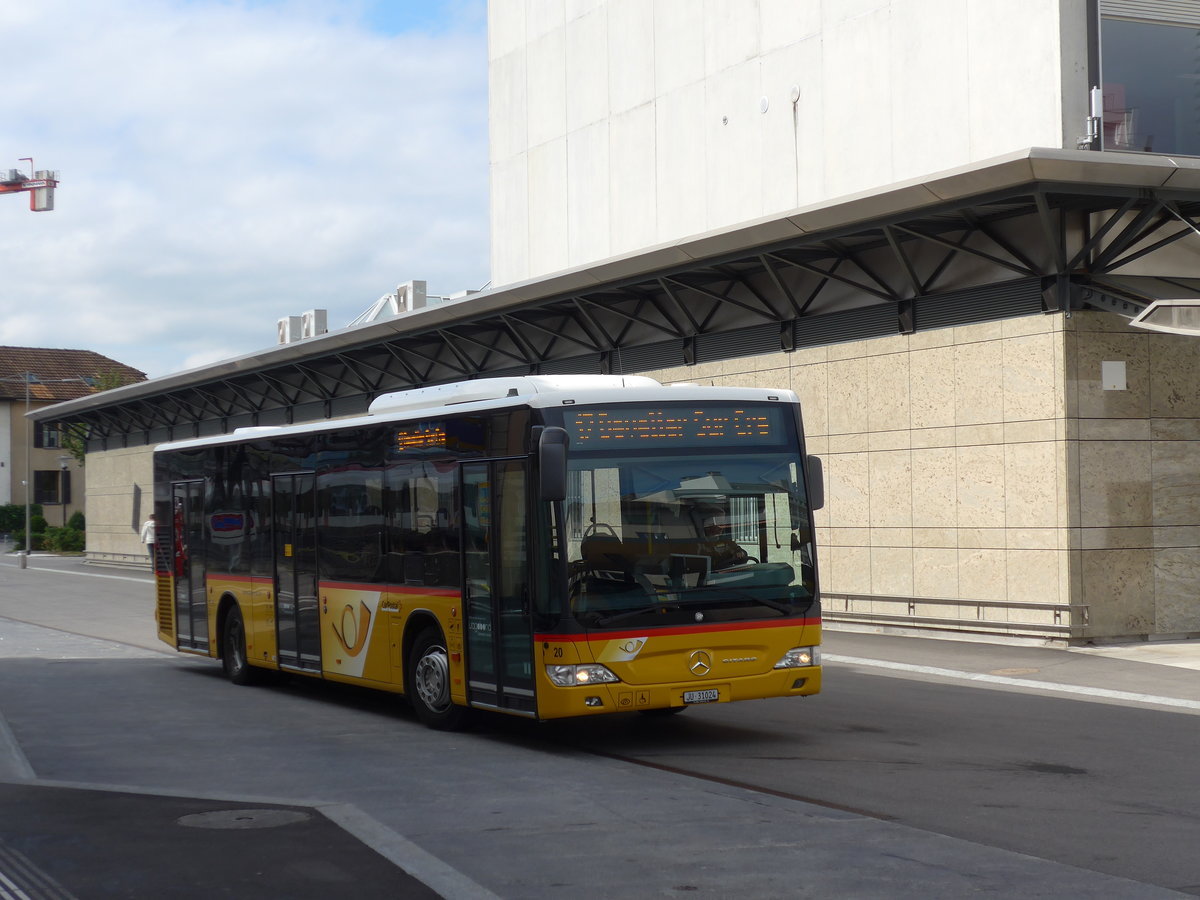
x: 20, y: 445
x: 7, y: 454
x: 946, y: 464
x: 120, y: 497
x: 974, y: 473
x: 1135, y: 477
x: 616, y: 125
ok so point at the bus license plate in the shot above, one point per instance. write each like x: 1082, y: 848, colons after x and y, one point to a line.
x: 712, y: 695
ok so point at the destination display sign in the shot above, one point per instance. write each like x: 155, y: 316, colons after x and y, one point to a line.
x: 457, y: 435
x: 667, y: 426
x: 419, y: 437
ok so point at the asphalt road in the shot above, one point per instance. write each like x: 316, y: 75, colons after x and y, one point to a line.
x: 1104, y: 787
x: 925, y: 768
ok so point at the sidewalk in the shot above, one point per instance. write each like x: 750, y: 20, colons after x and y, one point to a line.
x: 1183, y: 654
x: 60, y: 842
x: 126, y: 563
x: 1157, y: 674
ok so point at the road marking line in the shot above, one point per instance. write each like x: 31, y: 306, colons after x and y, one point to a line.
x: 9, y: 889
x: 85, y: 574
x: 958, y: 675
x: 25, y: 880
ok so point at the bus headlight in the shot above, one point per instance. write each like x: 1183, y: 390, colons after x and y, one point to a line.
x: 584, y: 673
x: 798, y: 657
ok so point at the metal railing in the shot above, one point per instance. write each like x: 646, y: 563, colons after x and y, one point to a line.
x: 1063, y: 620
x: 113, y: 558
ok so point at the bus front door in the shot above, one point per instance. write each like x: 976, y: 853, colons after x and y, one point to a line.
x: 496, y: 587
x: 188, y: 564
x: 293, y: 537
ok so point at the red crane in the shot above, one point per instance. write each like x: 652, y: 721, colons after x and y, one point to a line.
x: 40, y: 187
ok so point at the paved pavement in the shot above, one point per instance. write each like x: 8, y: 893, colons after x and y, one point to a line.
x: 109, y: 787
x: 60, y: 842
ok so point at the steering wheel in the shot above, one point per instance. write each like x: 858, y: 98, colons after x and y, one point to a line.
x: 595, y: 527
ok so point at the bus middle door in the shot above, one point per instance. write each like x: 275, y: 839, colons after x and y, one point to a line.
x: 188, y: 565
x: 294, y: 548
x: 496, y: 586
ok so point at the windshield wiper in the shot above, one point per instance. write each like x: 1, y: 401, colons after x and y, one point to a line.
x: 785, y: 608
x: 731, y: 593
x: 777, y: 605
x: 630, y: 613
x: 657, y: 607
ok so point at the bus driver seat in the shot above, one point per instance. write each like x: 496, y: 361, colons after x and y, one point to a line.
x: 605, y: 557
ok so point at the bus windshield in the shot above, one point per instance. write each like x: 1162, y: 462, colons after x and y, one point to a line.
x: 701, y: 536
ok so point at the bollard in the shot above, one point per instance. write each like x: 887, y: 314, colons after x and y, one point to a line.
x: 21, y: 557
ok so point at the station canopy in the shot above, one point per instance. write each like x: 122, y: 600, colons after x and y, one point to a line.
x: 1035, y: 231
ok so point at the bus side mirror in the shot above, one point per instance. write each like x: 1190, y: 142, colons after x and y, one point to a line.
x: 816, y: 483
x: 552, y: 463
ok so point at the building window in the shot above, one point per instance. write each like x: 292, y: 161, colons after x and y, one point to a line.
x: 52, y: 486
x: 1150, y: 67
x: 48, y: 437
x: 45, y: 487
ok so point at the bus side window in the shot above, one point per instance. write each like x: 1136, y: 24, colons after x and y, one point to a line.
x: 422, y: 524
x: 440, y: 503
x: 350, y: 518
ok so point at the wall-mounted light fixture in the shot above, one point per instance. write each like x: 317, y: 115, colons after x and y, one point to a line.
x: 1172, y: 316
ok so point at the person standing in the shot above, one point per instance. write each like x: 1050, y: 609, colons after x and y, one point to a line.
x: 148, y: 536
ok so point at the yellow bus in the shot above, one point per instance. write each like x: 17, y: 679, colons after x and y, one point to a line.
x: 544, y: 546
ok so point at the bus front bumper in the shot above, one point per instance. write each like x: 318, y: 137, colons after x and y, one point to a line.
x: 582, y: 700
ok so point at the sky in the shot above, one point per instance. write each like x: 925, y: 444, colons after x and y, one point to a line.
x: 226, y: 163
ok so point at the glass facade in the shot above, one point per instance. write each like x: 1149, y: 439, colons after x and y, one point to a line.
x: 1151, y: 84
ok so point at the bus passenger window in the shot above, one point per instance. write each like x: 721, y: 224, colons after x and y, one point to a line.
x: 422, y: 524
x: 350, y: 519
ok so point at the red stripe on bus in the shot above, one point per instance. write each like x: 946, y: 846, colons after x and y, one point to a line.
x: 679, y: 629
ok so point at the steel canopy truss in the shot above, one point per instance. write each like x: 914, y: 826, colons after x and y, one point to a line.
x: 1061, y: 233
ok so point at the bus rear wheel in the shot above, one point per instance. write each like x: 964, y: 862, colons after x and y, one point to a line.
x: 233, y: 650
x: 429, y: 683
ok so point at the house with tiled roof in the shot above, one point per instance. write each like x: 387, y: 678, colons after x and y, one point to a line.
x: 36, y: 455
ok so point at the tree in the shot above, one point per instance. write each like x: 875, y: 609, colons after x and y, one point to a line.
x: 12, y: 516
x: 74, y: 434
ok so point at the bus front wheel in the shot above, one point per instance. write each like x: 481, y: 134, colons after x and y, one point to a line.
x: 429, y: 683
x: 233, y: 650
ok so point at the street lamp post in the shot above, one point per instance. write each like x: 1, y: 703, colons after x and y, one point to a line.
x: 28, y: 546
x: 25, y: 548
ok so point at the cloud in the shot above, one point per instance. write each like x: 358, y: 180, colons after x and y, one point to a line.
x: 226, y: 164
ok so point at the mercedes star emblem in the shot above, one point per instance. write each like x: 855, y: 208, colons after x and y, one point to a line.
x: 700, y: 662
